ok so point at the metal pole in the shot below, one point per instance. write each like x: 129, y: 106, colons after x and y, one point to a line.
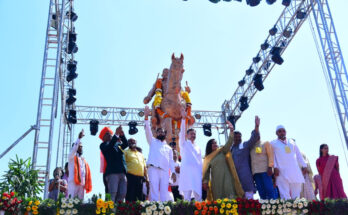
x: 33, y: 127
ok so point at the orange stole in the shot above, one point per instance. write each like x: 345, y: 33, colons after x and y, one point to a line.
x: 77, y: 174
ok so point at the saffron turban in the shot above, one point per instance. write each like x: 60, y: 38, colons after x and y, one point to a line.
x: 280, y: 127
x: 104, y: 131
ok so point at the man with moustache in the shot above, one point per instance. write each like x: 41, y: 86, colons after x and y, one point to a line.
x: 160, y: 161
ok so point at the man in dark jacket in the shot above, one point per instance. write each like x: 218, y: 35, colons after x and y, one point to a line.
x: 116, y: 169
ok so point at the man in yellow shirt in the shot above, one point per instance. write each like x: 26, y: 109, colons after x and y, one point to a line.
x: 136, y: 171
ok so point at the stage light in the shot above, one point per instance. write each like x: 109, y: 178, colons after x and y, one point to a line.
x: 207, y: 129
x: 276, y: 58
x: 141, y: 113
x: 264, y: 46
x: 256, y: 59
x: 253, y: 3
x: 270, y: 1
x: 123, y: 113
x: 249, y: 71
x: 241, y: 83
x: 73, y: 16
x: 71, y: 76
x: 71, y: 66
x: 232, y: 120
x: 287, y: 33
x: 198, y: 116
x: 132, y: 127
x: 93, y: 126
x: 71, y: 96
x: 301, y: 14
x: 72, y: 48
x: 72, y: 36
x: 243, y: 103
x: 104, y: 112
x: 72, y: 116
x: 214, y: 1
x: 273, y: 31
x: 286, y: 2
x: 258, y: 82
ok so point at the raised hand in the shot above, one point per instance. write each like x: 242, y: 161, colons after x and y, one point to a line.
x: 183, y: 113
x: 119, y: 131
x: 230, y: 126
x: 257, y: 121
x: 147, y: 111
x: 81, y: 134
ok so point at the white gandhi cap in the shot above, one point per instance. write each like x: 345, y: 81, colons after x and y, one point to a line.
x: 280, y: 127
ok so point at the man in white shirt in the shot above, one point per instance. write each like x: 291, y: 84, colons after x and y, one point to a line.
x: 190, y: 182
x: 160, y: 162
x: 287, y: 158
x: 79, y: 173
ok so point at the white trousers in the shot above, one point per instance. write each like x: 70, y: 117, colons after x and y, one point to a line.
x: 159, y: 182
x: 188, y: 195
x: 75, y: 190
x: 249, y: 195
x: 288, y: 190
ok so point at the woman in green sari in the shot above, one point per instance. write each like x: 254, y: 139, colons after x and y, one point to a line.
x: 220, y: 178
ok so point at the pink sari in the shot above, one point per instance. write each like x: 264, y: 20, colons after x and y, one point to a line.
x: 331, y: 180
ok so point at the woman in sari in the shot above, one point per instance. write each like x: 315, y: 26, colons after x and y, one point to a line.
x: 329, y: 172
x: 220, y: 177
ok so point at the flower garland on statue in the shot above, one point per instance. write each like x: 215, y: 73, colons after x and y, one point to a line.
x: 158, y: 99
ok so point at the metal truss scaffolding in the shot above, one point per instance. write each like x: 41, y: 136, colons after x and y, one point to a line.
x: 54, y: 77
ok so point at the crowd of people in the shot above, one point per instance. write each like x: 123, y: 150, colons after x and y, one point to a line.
x: 275, y: 169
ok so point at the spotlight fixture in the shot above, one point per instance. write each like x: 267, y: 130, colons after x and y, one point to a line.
x: 72, y: 48
x: 273, y: 31
x: 232, y: 120
x: 198, y: 116
x: 93, y: 126
x: 258, y: 82
x: 214, y: 1
x: 207, y: 129
x: 132, y: 127
x: 71, y: 66
x: 73, y: 16
x: 241, y: 83
x: 270, y: 1
x: 71, y: 96
x: 141, y: 113
x: 276, y: 58
x: 264, y: 45
x: 287, y: 33
x: 243, y: 103
x: 104, y: 112
x: 72, y: 36
x: 123, y: 113
x: 256, y: 59
x: 72, y: 116
x: 249, y: 71
x: 253, y: 3
x: 71, y: 76
x: 301, y: 14
x: 286, y: 3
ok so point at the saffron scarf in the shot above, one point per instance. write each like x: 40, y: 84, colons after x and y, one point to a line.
x: 77, y: 174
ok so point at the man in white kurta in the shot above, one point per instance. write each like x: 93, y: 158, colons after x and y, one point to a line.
x: 190, y: 181
x: 287, y: 158
x: 75, y: 190
x: 160, y: 162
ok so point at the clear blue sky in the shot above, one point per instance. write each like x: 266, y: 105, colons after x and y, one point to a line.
x: 124, y: 44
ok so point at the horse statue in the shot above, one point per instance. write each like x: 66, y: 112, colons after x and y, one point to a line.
x: 169, y: 100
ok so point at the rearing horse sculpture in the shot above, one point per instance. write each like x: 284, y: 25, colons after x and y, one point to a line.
x: 170, y: 100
